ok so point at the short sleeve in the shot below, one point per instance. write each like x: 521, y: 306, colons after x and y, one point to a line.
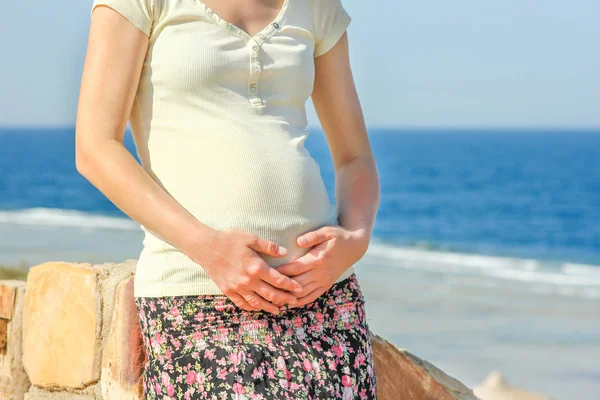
x: 330, y: 23
x: 138, y: 12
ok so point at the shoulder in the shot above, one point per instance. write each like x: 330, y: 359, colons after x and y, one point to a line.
x: 141, y: 13
x: 330, y: 20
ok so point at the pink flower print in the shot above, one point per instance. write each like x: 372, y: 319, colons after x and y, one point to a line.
x: 345, y: 314
x: 210, y: 354
x: 191, y: 377
x: 337, y: 350
x: 346, y: 381
x: 317, y: 328
x: 271, y: 373
x: 157, y: 388
x: 220, y: 303
x: 170, y: 389
x: 363, y: 393
x: 298, y: 322
x: 222, y: 373
x: 238, y: 388
x: 331, y: 365
x: 283, y: 383
x: 236, y: 358
x: 202, y: 344
x: 320, y: 317
x: 300, y: 333
x: 178, y: 319
x: 174, y: 311
x: 200, y: 378
x: 307, y: 365
x: 280, y: 362
x: 288, y: 374
x: 165, y: 378
x: 257, y: 373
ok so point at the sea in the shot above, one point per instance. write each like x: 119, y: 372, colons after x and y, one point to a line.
x: 485, y: 251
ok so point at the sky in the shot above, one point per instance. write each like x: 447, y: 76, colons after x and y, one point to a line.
x: 503, y: 63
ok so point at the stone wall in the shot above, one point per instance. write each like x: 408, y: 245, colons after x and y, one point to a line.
x: 71, y: 332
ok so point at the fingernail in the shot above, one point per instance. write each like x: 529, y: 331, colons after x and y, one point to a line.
x: 298, y: 290
x: 302, y: 240
x: 282, y: 251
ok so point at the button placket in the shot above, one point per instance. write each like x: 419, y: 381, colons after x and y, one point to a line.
x: 255, y: 69
x: 254, y: 45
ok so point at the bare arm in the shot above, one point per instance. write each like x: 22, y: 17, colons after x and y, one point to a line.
x: 338, y: 108
x: 111, y: 73
x: 115, y: 55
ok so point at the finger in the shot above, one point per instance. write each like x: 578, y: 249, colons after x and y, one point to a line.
x: 267, y: 247
x: 260, y: 302
x: 242, y: 303
x: 274, y: 295
x: 315, y: 237
x: 279, y: 280
x: 295, y: 267
x: 309, y: 287
x: 305, y: 278
x: 312, y: 296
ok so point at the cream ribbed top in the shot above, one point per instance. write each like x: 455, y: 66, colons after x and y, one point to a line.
x: 219, y: 121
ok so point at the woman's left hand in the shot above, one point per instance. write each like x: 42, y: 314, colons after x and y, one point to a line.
x: 335, y: 250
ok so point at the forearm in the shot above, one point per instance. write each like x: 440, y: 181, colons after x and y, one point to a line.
x: 357, y: 195
x: 116, y: 173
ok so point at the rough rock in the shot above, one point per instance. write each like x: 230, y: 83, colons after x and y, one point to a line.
x: 402, y: 375
x: 124, y: 355
x: 495, y: 387
x: 13, y: 378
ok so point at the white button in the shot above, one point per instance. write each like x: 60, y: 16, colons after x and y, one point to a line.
x: 255, y: 48
x: 256, y: 68
x: 261, y: 36
x: 253, y: 87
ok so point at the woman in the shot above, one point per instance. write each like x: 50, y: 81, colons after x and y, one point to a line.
x: 245, y: 285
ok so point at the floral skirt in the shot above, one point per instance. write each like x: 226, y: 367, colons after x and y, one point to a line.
x: 206, y: 347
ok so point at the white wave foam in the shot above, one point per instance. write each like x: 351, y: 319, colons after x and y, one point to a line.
x: 556, y: 276
x: 70, y: 218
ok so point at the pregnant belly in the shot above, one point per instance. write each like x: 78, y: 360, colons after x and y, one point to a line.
x: 275, y: 194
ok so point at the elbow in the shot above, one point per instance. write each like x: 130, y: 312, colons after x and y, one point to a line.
x: 81, y: 163
x: 83, y: 158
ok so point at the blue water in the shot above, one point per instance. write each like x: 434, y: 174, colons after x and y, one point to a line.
x: 525, y: 194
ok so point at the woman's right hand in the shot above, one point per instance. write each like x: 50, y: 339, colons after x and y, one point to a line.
x: 230, y: 258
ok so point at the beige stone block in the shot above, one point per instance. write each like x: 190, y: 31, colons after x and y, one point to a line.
x: 61, y: 324
x: 13, y: 378
x: 402, y: 375
x: 124, y: 355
